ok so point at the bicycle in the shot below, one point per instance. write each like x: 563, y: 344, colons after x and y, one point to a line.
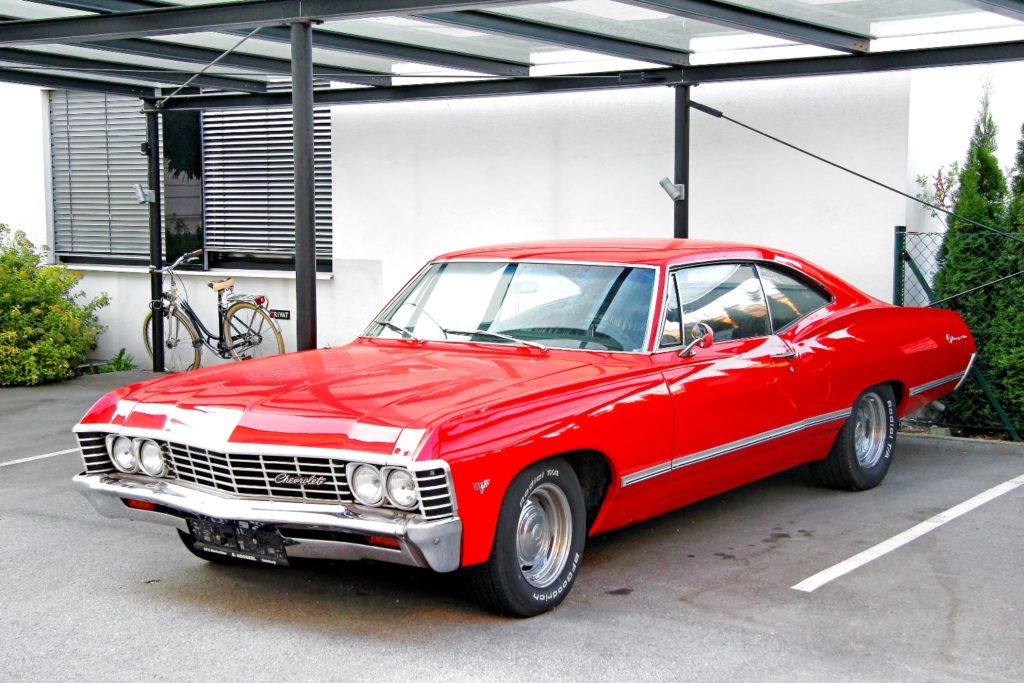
x: 246, y: 329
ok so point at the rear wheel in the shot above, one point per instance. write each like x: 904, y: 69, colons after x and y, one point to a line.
x: 181, y: 344
x: 538, y: 543
x: 863, y: 449
x: 249, y: 332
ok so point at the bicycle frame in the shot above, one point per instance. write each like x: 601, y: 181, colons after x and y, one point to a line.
x: 173, y: 301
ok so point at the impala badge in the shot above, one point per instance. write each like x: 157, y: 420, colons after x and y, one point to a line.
x: 950, y: 338
x: 481, y: 486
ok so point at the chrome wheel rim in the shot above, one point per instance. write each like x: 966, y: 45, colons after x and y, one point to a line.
x: 869, y: 430
x: 544, y: 535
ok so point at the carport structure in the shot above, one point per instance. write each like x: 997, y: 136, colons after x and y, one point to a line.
x: 201, y: 54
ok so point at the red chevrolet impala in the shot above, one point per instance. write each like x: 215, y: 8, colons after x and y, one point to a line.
x: 512, y: 400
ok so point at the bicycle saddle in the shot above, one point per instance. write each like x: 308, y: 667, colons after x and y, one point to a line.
x: 222, y: 284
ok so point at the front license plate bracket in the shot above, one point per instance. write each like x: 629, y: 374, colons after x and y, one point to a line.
x: 241, y: 540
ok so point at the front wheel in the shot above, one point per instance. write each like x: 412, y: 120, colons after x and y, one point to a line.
x: 181, y: 344
x: 862, y: 452
x: 538, y: 543
x: 250, y: 332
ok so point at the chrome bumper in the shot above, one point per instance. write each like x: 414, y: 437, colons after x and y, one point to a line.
x: 435, y: 545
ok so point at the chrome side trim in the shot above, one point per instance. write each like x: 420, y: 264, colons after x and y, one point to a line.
x: 648, y: 473
x: 967, y: 371
x: 733, y: 446
x: 921, y: 388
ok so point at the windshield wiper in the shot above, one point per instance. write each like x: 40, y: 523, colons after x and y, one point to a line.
x: 405, y: 331
x: 497, y: 335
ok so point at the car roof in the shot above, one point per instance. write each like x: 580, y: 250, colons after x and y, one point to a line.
x: 632, y: 251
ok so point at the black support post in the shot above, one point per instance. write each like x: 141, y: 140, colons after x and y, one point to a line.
x: 681, y: 221
x: 899, y: 251
x: 305, y: 211
x: 156, y: 239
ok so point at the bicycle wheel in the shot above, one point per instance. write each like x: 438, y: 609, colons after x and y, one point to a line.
x: 250, y: 332
x: 181, y: 344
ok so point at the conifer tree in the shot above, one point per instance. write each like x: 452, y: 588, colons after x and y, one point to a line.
x: 971, y: 256
x: 1008, y: 303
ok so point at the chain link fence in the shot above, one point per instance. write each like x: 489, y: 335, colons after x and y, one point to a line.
x: 979, y: 407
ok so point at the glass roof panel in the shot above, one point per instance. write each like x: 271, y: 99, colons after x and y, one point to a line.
x: 439, y: 36
x: 616, y: 19
x: 869, y: 17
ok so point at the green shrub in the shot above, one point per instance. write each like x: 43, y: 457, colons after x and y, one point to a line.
x: 46, y: 327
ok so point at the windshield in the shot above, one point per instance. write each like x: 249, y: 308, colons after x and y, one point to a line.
x: 573, y: 306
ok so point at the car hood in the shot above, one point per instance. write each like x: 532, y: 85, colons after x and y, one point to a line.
x: 360, y: 396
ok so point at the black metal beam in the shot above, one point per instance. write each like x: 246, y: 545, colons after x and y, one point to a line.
x: 555, y: 35
x: 440, y: 91
x: 681, y: 206
x: 214, y: 17
x: 1008, y: 8
x: 853, y: 64
x: 756, y: 21
x: 200, y: 55
x: 329, y: 40
x: 305, y: 204
x: 125, y: 71
x: 740, y: 71
x: 42, y: 80
x: 156, y: 237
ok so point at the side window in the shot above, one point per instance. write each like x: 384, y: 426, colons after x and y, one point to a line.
x: 727, y: 297
x: 671, y: 328
x: 789, y: 298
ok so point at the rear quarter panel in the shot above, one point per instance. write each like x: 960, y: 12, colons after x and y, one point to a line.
x: 845, y: 353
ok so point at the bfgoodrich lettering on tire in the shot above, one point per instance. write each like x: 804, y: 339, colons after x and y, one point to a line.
x: 863, y: 449
x: 538, y: 543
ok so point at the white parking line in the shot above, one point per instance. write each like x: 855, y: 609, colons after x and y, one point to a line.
x: 899, y: 540
x: 38, y: 457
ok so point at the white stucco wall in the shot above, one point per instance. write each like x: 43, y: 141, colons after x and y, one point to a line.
x: 413, y: 180
x: 22, y: 153
x: 416, y: 179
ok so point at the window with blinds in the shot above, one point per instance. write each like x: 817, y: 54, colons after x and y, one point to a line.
x: 95, y: 147
x: 248, y: 189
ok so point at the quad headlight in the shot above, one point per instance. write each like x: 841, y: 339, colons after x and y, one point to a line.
x: 401, y: 489
x: 394, y: 486
x: 367, y: 484
x: 151, y: 457
x: 137, y: 455
x: 122, y: 453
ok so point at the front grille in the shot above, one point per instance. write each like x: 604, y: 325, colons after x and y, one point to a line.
x: 265, y: 476
x: 277, y: 477
x: 435, y: 494
x: 94, y: 452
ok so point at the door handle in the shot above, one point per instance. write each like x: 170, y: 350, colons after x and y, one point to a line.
x: 788, y: 354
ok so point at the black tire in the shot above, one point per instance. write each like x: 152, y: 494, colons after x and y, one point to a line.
x: 213, y: 558
x: 544, y: 496
x: 871, y: 427
x: 181, y: 343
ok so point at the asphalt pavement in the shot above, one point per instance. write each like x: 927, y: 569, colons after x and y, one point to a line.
x: 703, y: 593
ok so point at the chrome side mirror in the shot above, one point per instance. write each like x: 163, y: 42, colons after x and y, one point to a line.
x: 705, y: 338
